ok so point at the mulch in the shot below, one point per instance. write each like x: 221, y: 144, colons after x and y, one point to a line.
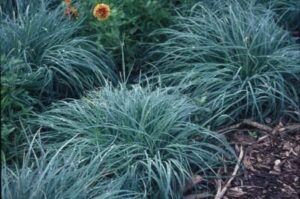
x: 270, y: 166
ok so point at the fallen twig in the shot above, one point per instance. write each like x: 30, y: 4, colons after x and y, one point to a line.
x: 222, y: 191
x: 291, y: 127
x: 258, y: 126
x: 262, y: 138
x: 235, y: 126
x: 249, y: 123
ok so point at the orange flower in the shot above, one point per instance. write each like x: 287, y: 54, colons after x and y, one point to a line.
x: 71, y: 11
x: 101, y: 11
x: 68, y: 2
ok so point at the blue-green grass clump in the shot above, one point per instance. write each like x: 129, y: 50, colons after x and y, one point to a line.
x: 233, y: 56
x: 42, y: 59
x: 60, y: 174
x: 160, y: 147
x: 42, y: 49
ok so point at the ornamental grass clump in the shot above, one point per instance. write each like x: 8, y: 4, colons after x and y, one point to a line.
x: 233, y: 57
x: 55, y: 63
x: 159, y: 147
x: 42, y: 59
x: 59, y: 174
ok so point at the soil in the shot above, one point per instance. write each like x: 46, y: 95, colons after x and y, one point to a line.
x: 271, y: 163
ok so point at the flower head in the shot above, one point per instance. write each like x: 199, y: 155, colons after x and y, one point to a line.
x: 101, y: 11
x: 68, y: 2
x: 71, y: 11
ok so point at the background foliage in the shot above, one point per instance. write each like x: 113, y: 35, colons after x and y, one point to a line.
x: 127, y: 31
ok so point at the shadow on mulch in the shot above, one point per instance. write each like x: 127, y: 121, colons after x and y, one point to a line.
x: 271, y: 162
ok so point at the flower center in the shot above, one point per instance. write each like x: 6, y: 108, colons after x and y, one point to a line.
x: 102, y: 11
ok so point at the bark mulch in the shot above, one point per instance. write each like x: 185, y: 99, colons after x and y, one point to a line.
x: 270, y: 166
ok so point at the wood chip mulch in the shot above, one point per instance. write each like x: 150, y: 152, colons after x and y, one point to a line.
x: 270, y: 166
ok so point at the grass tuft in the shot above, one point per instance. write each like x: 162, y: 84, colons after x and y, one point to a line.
x: 53, y: 62
x: 59, y: 174
x: 160, y: 148
x: 42, y: 60
x: 234, y: 57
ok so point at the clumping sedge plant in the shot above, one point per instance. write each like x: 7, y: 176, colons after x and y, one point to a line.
x: 63, y: 174
x: 159, y: 147
x: 234, y: 57
x: 56, y: 62
x: 43, y: 59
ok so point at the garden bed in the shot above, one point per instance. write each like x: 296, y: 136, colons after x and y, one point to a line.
x: 131, y: 99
